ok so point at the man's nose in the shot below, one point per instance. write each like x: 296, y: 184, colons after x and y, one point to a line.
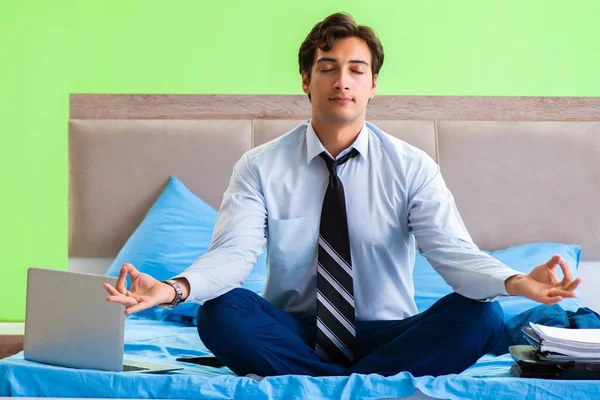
x: 343, y: 80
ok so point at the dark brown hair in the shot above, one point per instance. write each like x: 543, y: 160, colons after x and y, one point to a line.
x: 338, y: 26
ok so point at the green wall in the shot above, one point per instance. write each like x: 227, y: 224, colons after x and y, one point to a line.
x: 50, y: 49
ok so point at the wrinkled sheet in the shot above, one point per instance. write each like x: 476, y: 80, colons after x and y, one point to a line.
x: 162, y: 341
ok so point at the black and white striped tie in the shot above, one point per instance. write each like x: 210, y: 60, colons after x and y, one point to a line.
x: 336, y: 335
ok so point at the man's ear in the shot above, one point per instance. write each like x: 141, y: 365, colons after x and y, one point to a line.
x: 374, y: 88
x: 305, y: 83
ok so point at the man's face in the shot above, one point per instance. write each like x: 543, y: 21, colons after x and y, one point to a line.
x: 341, y: 82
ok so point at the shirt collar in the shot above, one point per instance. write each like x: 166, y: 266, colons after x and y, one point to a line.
x: 314, y: 147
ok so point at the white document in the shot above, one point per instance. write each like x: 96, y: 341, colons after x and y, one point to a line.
x: 565, y: 335
x: 583, y: 343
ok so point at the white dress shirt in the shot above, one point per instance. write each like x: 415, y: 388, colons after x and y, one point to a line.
x: 394, y: 195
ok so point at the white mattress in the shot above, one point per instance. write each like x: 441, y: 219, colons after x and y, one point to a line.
x: 589, y: 271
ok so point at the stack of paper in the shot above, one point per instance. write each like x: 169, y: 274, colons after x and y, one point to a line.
x: 564, y: 344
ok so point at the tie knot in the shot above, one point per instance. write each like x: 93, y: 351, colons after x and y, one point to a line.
x: 332, y: 164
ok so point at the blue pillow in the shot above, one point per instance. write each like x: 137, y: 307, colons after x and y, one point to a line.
x: 175, y: 232
x: 430, y: 286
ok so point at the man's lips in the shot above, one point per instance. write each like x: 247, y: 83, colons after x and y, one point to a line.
x: 341, y: 99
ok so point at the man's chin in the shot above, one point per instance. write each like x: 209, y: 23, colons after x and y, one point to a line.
x: 341, y: 117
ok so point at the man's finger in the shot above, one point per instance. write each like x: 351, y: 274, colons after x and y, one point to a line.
x: 551, y: 263
x: 123, y: 300
x: 111, y: 290
x: 552, y: 300
x: 133, y: 273
x: 138, y: 307
x: 121, y: 280
x: 567, y: 276
x: 573, y: 285
x: 558, y: 292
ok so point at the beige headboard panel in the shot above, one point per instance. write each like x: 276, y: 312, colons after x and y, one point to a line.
x: 523, y: 182
x: 117, y: 169
x: 521, y: 169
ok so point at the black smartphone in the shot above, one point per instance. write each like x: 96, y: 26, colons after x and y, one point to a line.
x: 208, y: 360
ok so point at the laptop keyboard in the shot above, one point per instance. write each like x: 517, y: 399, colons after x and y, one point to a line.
x: 128, y: 368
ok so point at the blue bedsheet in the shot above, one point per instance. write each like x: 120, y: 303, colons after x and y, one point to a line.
x: 150, y: 340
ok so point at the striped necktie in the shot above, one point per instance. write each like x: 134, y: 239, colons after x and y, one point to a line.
x: 336, y: 335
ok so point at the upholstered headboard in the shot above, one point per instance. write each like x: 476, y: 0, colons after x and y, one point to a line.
x: 521, y: 169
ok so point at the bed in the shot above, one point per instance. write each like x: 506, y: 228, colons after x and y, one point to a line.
x: 522, y: 171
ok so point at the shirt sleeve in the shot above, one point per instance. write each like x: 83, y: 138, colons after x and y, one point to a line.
x: 237, y: 240
x: 444, y: 240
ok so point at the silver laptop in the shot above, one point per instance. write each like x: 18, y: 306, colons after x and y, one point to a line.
x: 69, y: 323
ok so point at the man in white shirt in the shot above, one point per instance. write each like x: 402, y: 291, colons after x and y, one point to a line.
x: 341, y: 206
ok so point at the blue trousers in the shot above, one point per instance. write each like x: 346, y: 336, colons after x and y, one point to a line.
x: 251, y: 335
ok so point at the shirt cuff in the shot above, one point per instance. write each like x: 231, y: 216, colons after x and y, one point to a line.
x: 496, y: 282
x: 197, y: 287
